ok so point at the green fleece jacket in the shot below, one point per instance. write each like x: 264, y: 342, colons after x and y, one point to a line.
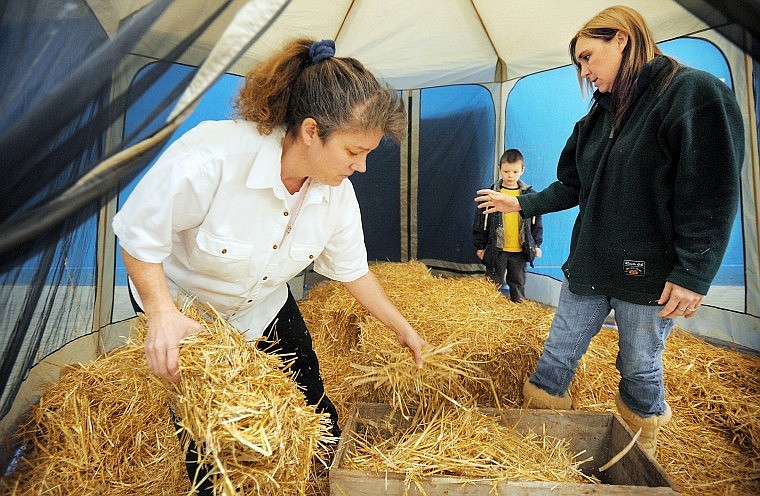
x: 657, y: 197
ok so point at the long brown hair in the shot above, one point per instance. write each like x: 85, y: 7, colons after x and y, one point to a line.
x: 338, y: 92
x: 639, y: 50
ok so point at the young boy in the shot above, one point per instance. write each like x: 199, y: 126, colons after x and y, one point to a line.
x: 504, y: 242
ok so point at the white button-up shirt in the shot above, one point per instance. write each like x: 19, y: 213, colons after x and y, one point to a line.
x: 213, y: 210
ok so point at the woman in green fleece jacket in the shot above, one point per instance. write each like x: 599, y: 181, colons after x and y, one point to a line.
x: 654, y: 168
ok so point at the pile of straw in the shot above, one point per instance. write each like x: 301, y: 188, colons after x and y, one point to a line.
x: 106, y: 427
x: 248, y: 417
x: 493, y: 341
x: 463, y: 442
x: 102, y: 428
x: 710, y: 446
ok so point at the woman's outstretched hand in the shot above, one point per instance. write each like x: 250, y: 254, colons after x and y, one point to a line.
x: 492, y: 201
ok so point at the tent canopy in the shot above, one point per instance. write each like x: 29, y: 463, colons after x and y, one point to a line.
x: 454, y: 41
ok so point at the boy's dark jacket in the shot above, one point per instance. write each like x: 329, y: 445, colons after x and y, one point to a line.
x: 491, y: 237
x: 658, y: 196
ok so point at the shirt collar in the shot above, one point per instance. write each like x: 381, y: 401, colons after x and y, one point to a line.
x: 649, y: 73
x: 264, y: 175
x: 265, y: 170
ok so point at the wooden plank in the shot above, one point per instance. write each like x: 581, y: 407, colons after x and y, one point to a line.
x: 637, y: 467
x: 572, y: 489
x: 362, y: 485
x: 359, y: 484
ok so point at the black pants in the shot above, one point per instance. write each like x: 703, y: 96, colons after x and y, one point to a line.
x: 286, y: 334
x: 512, y: 267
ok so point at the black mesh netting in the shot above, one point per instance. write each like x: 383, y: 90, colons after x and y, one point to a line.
x: 65, y: 88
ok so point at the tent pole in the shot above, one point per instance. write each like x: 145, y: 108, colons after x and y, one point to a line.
x: 409, y: 175
x: 106, y: 241
x: 752, y: 303
x: 501, y: 122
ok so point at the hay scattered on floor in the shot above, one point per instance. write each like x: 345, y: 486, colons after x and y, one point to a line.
x: 102, y: 428
x: 709, y: 448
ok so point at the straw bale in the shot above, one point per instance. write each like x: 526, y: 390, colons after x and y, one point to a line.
x: 248, y: 417
x: 709, y: 448
x: 102, y: 428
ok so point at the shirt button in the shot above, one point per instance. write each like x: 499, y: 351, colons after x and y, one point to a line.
x: 274, y: 247
x: 250, y: 301
x: 285, y: 214
x: 224, y: 250
x: 311, y: 256
x: 264, y: 278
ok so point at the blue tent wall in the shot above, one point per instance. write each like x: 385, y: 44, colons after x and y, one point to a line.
x: 456, y: 159
x: 378, y: 191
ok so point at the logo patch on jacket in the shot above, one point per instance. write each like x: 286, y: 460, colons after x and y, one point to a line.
x: 634, y: 267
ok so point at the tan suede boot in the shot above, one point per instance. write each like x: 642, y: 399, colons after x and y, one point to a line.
x: 535, y: 397
x: 650, y: 426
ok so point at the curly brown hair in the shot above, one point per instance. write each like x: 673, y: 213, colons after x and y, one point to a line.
x: 338, y: 92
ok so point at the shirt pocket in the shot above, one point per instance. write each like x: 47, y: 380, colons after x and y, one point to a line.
x: 300, y: 252
x: 300, y: 256
x: 224, y: 258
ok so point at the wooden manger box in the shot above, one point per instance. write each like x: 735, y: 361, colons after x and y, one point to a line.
x: 601, y: 435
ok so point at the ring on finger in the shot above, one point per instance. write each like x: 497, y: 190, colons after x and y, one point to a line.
x: 691, y: 309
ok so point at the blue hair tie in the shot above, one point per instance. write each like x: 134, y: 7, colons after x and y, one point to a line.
x: 321, y: 50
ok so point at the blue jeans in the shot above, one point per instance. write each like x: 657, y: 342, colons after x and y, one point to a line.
x: 642, y: 334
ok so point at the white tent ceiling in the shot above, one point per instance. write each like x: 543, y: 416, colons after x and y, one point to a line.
x: 412, y: 44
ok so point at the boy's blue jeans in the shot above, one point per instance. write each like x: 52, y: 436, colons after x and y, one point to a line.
x: 642, y: 334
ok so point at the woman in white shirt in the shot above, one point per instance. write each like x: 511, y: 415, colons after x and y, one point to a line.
x: 234, y: 209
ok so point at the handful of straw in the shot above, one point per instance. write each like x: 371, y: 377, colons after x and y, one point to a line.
x: 248, y: 417
x: 396, y: 380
